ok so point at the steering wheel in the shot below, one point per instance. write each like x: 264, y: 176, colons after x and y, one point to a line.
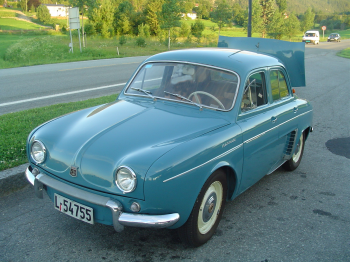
x: 195, y: 94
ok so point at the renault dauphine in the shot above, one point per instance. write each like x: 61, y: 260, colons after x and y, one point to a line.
x: 191, y: 130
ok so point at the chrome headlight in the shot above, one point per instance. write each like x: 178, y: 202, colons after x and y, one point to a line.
x: 126, y: 179
x: 38, y: 151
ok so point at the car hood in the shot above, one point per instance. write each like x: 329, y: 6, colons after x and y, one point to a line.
x: 99, y: 140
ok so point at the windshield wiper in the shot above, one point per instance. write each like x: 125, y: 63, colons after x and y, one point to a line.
x: 184, y: 98
x: 143, y: 91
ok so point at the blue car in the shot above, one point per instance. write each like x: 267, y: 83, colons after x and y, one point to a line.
x: 191, y: 130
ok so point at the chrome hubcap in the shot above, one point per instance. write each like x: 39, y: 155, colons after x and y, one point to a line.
x: 209, y: 207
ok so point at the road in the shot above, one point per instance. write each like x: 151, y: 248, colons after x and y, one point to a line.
x: 37, y: 86
x: 302, y: 215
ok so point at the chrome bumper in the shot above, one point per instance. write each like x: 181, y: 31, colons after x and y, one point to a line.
x: 120, y: 219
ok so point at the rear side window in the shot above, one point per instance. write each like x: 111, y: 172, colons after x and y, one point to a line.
x: 278, y: 84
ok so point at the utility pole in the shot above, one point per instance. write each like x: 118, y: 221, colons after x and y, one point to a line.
x: 250, y: 19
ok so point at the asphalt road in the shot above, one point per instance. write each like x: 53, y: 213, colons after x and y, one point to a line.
x: 37, y: 86
x: 302, y: 215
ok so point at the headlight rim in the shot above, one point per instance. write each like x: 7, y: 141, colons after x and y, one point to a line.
x: 133, y: 175
x: 43, y: 149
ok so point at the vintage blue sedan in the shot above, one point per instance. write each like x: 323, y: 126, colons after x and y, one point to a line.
x: 190, y: 130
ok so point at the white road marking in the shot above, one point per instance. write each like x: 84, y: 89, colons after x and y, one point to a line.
x: 57, y: 95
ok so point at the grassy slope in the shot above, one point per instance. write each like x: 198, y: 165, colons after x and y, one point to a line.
x: 15, y: 127
x: 14, y: 24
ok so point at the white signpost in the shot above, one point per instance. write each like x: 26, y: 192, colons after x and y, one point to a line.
x: 74, y: 23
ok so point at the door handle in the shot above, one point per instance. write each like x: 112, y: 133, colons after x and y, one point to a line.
x: 295, y: 109
x: 274, y: 119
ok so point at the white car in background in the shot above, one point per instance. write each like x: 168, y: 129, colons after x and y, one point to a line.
x: 312, y: 37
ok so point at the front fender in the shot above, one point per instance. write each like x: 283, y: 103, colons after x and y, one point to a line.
x: 174, y: 181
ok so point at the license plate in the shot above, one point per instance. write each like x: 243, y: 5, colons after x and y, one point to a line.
x: 74, y: 209
x: 308, y: 41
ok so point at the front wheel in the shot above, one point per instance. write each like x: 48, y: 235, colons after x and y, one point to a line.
x: 294, y: 162
x: 207, y: 211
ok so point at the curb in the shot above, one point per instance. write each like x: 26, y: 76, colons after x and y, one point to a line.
x: 13, y: 179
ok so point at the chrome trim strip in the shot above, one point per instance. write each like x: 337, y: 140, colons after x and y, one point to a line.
x: 119, y: 218
x: 217, y: 157
x: 156, y: 221
x: 263, y: 133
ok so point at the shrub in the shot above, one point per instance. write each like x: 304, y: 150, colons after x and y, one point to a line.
x: 140, y: 41
x: 89, y: 29
x: 104, y: 31
x: 43, y: 14
x: 122, y: 40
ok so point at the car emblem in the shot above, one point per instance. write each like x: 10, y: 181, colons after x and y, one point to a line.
x: 73, y: 171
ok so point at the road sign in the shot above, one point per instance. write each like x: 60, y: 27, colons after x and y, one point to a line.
x: 324, y: 27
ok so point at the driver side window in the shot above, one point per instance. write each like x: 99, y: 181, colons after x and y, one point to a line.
x: 254, y: 92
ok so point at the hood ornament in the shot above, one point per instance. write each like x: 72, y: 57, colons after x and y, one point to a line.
x: 73, y: 171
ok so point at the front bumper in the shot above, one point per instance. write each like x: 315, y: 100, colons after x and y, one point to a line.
x: 120, y: 219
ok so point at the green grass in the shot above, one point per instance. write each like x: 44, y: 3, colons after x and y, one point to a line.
x: 15, y: 127
x: 13, y: 24
x: 54, y: 49
x: 344, y: 53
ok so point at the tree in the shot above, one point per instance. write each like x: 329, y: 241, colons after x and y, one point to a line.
x: 197, y: 29
x: 43, y: 14
x: 257, y: 21
x: 276, y: 27
x: 238, y: 14
x: 123, y: 25
x: 36, y: 3
x: 292, y: 26
x: 203, y: 9
x: 152, y: 17
x: 222, y: 13
x: 282, y: 5
x: 307, y: 21
x: 123, y: 17
x: 185, y: 30
x: 23, y: 5
x: 268, y: 10
x: 170, y: 16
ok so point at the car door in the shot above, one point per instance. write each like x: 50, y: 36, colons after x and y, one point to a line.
x: 286, y: 112
x: 257, y: 119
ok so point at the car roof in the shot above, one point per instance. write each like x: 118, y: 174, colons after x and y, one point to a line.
x: 236, y: 60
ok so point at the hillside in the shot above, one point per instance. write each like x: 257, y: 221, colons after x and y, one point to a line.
x: 300, y: 6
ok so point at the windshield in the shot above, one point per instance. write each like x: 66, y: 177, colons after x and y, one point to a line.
x: 310, y: 34
x: 194, y: 84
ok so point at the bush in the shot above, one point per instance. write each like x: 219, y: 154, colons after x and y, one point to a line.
x: 104, y: 31
x: 43, y: 14
x: 122, y: 40
x: 140, y: 41
x: 185, y: 30
x: 144, y: 30
x: 197, y: 28
x: 89, y: 29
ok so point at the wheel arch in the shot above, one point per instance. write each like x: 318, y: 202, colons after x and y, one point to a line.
x: 231, y: 176
x: 307, y: 131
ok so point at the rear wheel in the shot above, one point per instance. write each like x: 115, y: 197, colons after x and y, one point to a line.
x: 207, y: 211
x: 294, y: 162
